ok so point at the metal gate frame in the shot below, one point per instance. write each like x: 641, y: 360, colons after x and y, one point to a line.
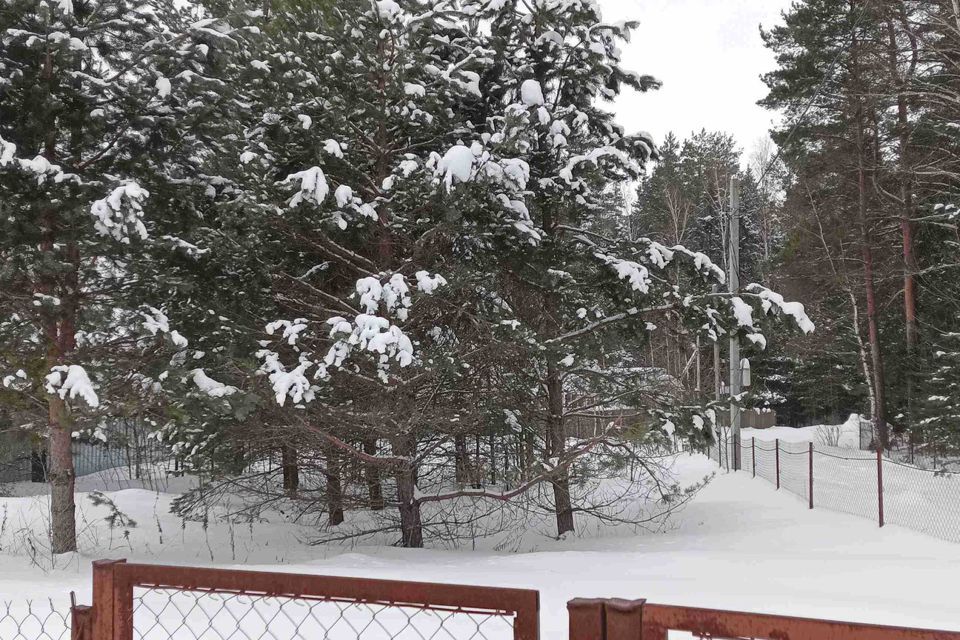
x: 616, y: 619
x: 111, y: 616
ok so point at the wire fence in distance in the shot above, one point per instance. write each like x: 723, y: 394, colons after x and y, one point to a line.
x: 851, y: 481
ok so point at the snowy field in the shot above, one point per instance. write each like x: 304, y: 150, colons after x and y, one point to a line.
x: 844, y: 436
x: 738, y: 545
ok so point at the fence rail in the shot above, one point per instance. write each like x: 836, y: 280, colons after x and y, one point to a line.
x: 614, y: 619
x: 860, y: 483
x: 152, y: 602
x: 135, y: 601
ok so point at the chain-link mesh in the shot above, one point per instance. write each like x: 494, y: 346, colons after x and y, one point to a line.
x: 795, y: 468
x: 849, y: 480
x: 172, y: 614
x: 845, y: 480
x: 923, y: 500
x: 34, y: 620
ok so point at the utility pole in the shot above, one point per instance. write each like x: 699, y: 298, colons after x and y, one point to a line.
x: 733, y: 282
x: 717, y: 384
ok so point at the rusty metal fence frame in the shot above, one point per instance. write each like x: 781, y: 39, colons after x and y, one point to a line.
x: 111, y: 617
x: 616, y: 619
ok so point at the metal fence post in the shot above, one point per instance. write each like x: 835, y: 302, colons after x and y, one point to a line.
x: 81, y: 620
x: 104, y: 611
x: 778, y: 464
x: 587, y: 621
x: 624, y: 618
x: 811, y: 475
x: 753, y: 453
x: 526, y: 626
x: 880, y: 483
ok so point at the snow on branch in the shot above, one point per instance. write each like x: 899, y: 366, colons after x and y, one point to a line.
x: 156, y: 321
x: 772, y: 299
x: 313, y: 186
x: 71, y: 381
x: 636, y: 273
x: 121, y: 212
x: 39, y: 166
x: 593, y: 157
x: 366, y: 332
x: 293, y: 384
x: 211, y: 387
x: 531, y: 93
x: 742, y: 312
x: 456, y: 165
x: 703, y: 263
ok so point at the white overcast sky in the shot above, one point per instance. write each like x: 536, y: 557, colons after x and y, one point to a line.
x: 709, y: 55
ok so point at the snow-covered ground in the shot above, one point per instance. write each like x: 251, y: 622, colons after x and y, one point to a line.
x: 738, y: 545
x: 844, y: 436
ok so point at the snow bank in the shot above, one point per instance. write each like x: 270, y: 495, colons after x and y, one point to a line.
x: 844, y: 436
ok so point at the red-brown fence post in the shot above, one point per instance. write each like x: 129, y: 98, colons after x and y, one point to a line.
x: 811, y: 475
x: 587, y: 620
x: 880, y: 483
x: 778, y: 464
x: 624, y: 618
x: 526, y: 626
x: 109, y: 608
x: 753, y: 453
x: 81, y: 620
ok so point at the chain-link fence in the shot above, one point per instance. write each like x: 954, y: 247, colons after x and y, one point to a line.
x: 852, y: 481
x: 155, y: 602
x: 165, y: 614
x: 34, y: 620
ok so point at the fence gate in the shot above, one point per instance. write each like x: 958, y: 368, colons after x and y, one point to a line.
x: 152, y: 602
x: 640, y: 620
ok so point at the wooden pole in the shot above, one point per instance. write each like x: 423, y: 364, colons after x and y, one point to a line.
x: 811, y: 475
x: 880, y: 483
x: 778, y: 464
x: 733, y: 282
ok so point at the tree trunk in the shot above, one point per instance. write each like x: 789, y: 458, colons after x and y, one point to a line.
x: 334, y: 486
x: 906, y: 199
x: 461, y: 467
x: 557, y: 443
x: 866, y: 250
x: 62, y: 477
x: 372, y: 473
x: 862, y: 351
x: 291, y: 470
x: 411, y: 524
x: 529, y: 454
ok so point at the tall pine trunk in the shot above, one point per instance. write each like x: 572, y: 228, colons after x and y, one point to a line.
x: 62, y: 478
x: 59, y: 326
x: 866, y: 250
x: 460, y: 461
x: 907, y: 224
x: 291, y: 470
x: 334, y: 486
x: 557, y: 442
x: 372, y: 475
x: 411, y: 523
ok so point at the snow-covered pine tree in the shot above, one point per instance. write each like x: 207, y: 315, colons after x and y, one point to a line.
x: 938, y: 433
x: 347, y: 101
x: 107, y: 111
x: 439, y: 192
x: 575, y: 303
